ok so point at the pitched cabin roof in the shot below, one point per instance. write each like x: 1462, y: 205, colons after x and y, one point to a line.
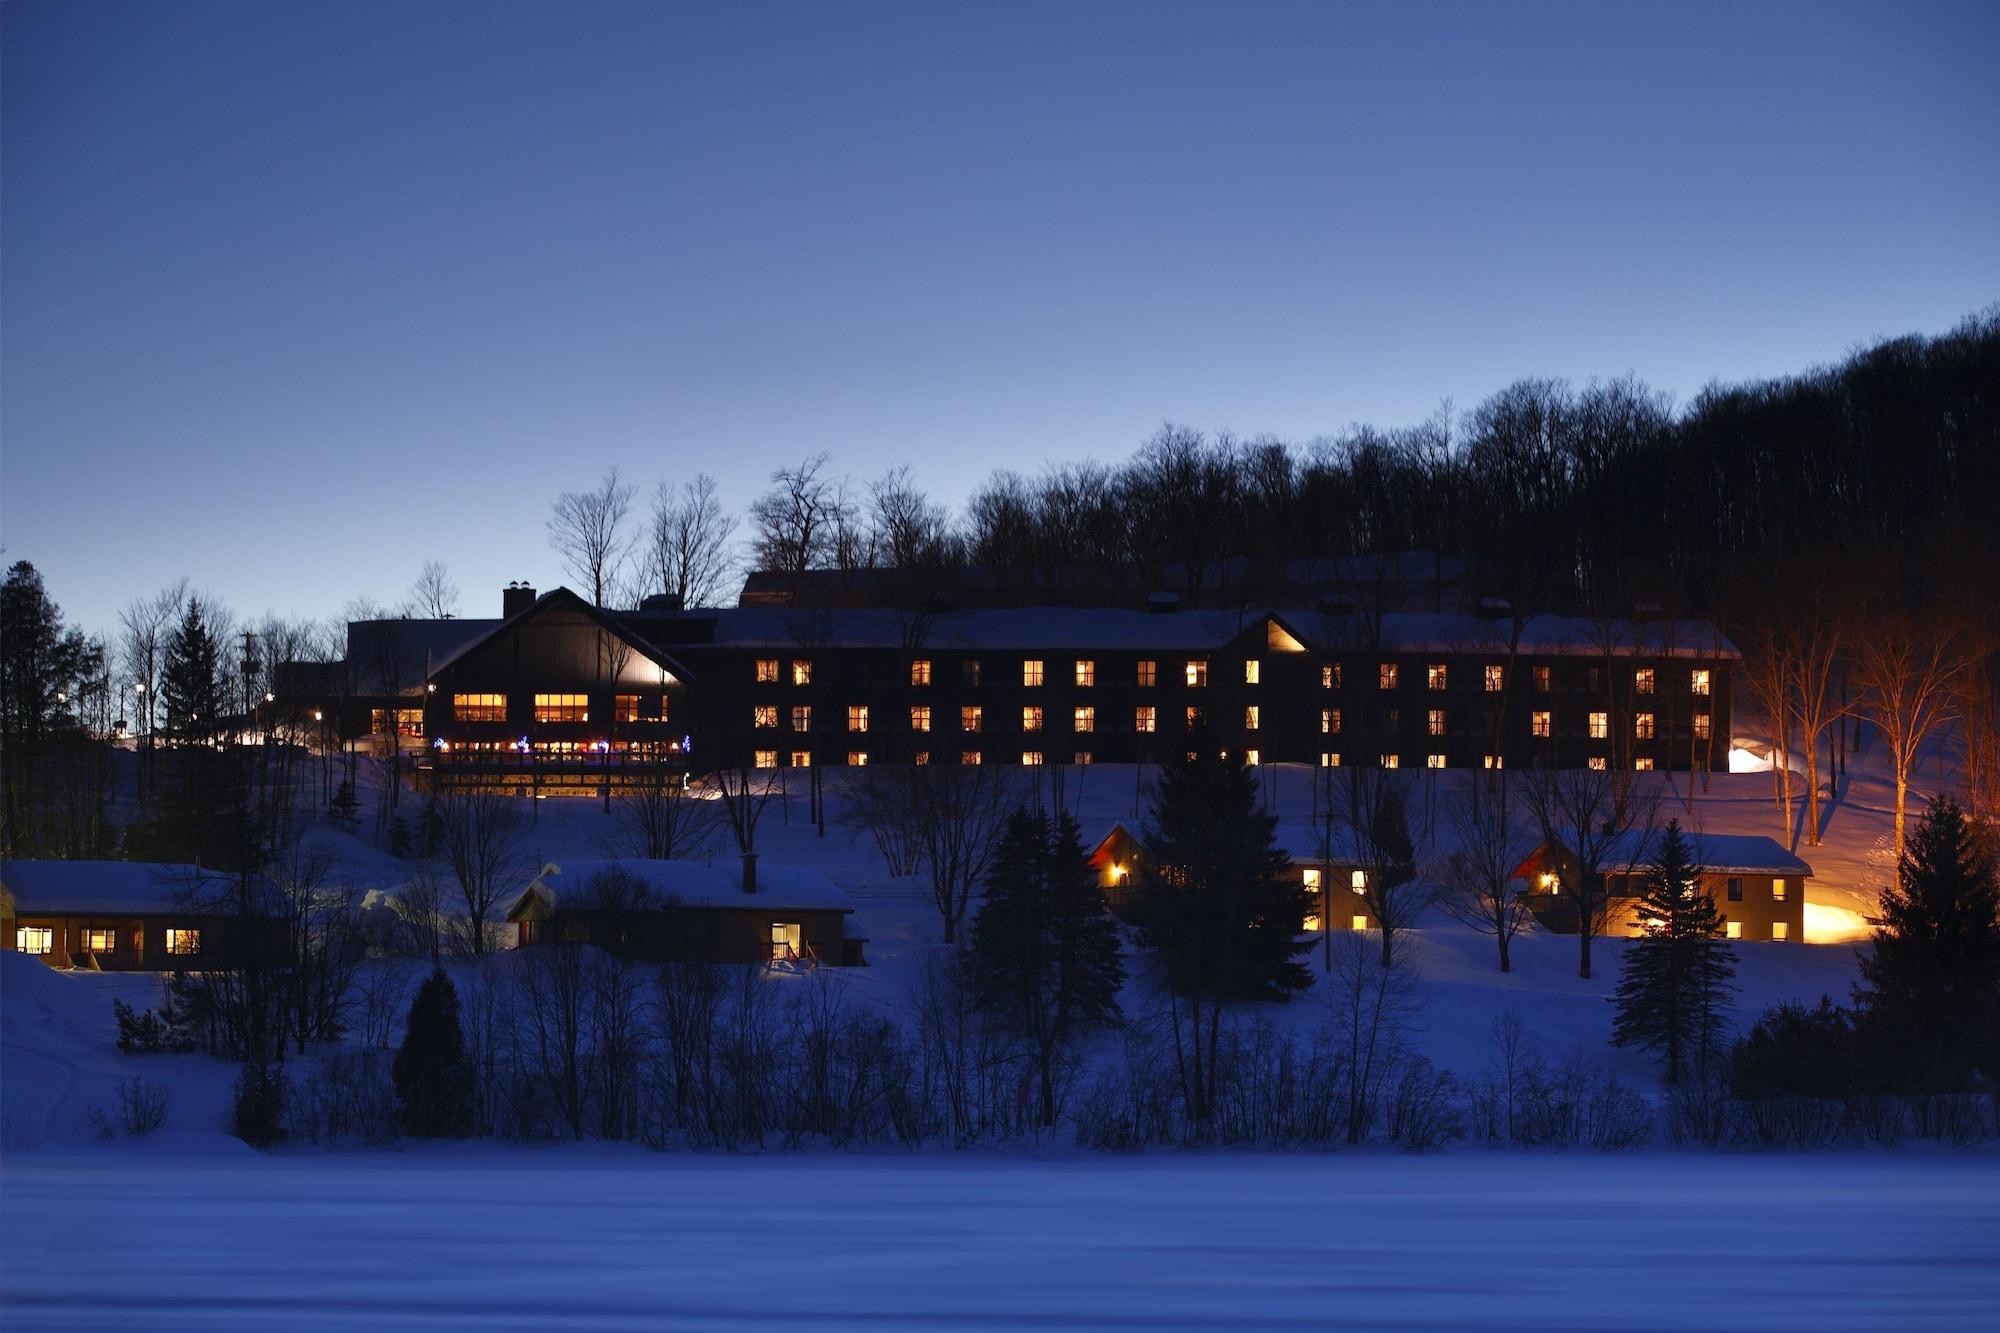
x: 1635, y: 850
x: 550, y: 600
x: 139, y: 888
x: 686, y: 884
x: 1300, y: 840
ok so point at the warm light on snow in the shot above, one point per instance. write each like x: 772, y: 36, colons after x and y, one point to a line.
x: 1831, y: 925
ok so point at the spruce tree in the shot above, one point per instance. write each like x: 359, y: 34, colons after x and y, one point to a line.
x: 432, y: 1076
x: 1673, y: 994
x: 1932, y: 992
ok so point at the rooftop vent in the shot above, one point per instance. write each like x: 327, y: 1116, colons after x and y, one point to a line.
x: 661, y: 603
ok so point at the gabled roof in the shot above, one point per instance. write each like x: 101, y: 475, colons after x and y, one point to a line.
x: 1302, y: 842
x: 143, y: 888
x: 780, y: 888
x: 1635, y: 850
x: 563, y: 597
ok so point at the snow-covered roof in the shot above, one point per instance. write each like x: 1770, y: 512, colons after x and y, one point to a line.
x: 555, y: 597
x: 1716, y: 853
x: 1299, y: 839
x: 1060, y: 627
x: 695, y: 884
x: 142, y: 887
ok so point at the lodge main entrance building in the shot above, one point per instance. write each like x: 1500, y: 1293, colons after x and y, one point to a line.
x: 565, y: 697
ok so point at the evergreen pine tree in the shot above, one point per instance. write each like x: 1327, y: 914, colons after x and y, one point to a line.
x: 432, y: 1076
x: 345, y: 808
x: 191, y: 688
x: 1673, y: 994
x: 1932, y: 992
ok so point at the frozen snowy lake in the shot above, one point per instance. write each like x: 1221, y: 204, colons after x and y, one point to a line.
x: 625, y: 1239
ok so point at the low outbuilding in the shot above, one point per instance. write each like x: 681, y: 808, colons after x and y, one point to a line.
x: 137, y: 916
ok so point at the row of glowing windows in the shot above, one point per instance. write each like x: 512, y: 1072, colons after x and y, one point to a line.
x: 549, y: 708
x: 859, y: 758
x: 91, y: 939
x: 1084, y: 674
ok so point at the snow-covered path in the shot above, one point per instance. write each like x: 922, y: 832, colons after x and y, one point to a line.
x: 610, y: 1239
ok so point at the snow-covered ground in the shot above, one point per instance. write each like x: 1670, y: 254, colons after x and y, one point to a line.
x: 606, y: 1239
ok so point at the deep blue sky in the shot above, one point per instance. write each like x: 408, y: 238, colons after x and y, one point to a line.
x: 298, y: 296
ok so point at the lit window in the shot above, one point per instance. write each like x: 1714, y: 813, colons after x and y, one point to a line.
x: 1149, y: 673
x: 1643, y: 764
x: 1386, y: 676
x: 1496, y: 761
x: 1195, y: 717
x: 1031, y: 671
x: 1597, y: 762
x: 1329, y: 721
x: 1358, y: 880
x: 1780, y: 930
x: 479, y: 707
x: 625, y: 708
x: 968, y: 672
x: 1360, y: 922
x: 1086, y: 673
x: 857, y: 717
x: 802, y: 717
x: 920, y: 671
x: 802, y: 671
x: 1698, y: 680
x: 1197, y: 671
x: 1312, y: 880
x: 1538, y: 722
x: 1086, y: 719
x: 183, y: 941
x: 1031, y: 757
x: 920, y: 717
x: 1600, y: 726
x: 1701, y: 726
x: 1734, y: 930
x: 1434, y: 678
x: 764, y: 715
x: 767, y: 671
x: 802, y: 759
x: 971, y: 717
x: 767, y: 758
x: 1777, y: 890
x: 1493, y: 679
x: 1031, y: 718
x: 562, y: 708
x: 1434, y: 761
x: 1329, y: 759
x: 1250, y: 717
x: 968, y: 756
x: 1252, y: 671
x: 1642, y: 680
x: 99, y: 941
x: 1392, y: 761
x: 786, y: 937
x: 857, y: 758
x: 1642, y: 726
x: 1329, y: 675
x: 35, y: 939
x: 1735, y: 890
x: 1311, y: 923
x: 1253, y: 757
x: 1541, y: 679
x: 1083, y: 757
x: 1145, y: 719
x: 922, y: 756
x: 1434, y: 721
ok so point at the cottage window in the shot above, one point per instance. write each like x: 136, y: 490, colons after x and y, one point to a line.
x: 857, y: 717
x: 1496, y: 761
x: 1197, y: 671
x: 1642, y: 680
x: 767, y: 671
x: 1311, y: 923
x: 1541, y: 679
x: 181, y: 940
x: 1733, y: 930
x: 625, y: 708
x: 1086, y: 673
x: 1329, y: 759
x: 1329, y: 675
x: 100, y: 941
x: 764, y: 715
x: 1329, y: 721
x: 1698, y: 680
x: 1253, y: 671
x: 1360, y: 922
x: 1358, y: 880
x: 920, y: 717
x: 922, y: 757
x: 802, y: 671
x: 1494, y: 678
x: 1149, y: 673
x: 1031, y: 757
x: 1145, y: 719
x: 971, y: 717
x: 1253, y: 756
x: 1780, y: 930
x: 802, y: 717
x: 479, y: 707
x: 1643, y: 764
x: 1434, y: 721
x: 968, y: 757
x: 767, y: 758
x: 1386, y: 676
x: 1031, y: 718
x: 1777, y: 890
x: 1086, y: 719
x: 1735, y: 890
x: 1600, y: 726
x: 920, y: 671
x: 1597, y: 762
x: 1434, y: 761
x: 1392, y: 761
x: 1434, y: 678
x: 802, y: 758
x: 562, y: 708
x: 787, y: 939
x: 1311, y: 879
x: 1250, y: 718
x: 968, y: 672
x: 1031, y: 671
x: 1538, y: 723
x: 1196, y: 717
x: 35, y: 939
x: 1643, y: 726
x: 1083, y: 758
x: 1701, y: 726
x: 857, y: 758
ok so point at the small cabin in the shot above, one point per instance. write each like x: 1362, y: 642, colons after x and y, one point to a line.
x: 690, y: 911
x: 1331, y: 873
x: 1758, y: 886
x: 137, y: 916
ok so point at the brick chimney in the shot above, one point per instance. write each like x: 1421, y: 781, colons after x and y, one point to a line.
x: 516, y: 597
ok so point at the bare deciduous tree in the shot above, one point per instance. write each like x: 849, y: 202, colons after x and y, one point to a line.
x: 1480, y: 888
x: 687, y: 550
x: 434, y: 594
x: 1908, y: 669
x: 483, y: 842
x: 794, y: 519
x: 657, y: 816
x: 959, y: 811
x: 586, y: 530
x: 1582, y: 815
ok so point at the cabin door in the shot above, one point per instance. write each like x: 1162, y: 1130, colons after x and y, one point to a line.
x: 785, y: 939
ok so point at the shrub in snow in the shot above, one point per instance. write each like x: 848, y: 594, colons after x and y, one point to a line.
x: 261, y: 1092
x: 433, y: 1080
x: 150, y: 1032
x: 346, y: 1098
x: 142, y: 1105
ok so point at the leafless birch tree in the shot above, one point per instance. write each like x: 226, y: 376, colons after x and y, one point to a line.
x: 586, y: 530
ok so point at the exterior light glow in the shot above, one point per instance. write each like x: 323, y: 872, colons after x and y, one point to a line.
x: 270, y: 697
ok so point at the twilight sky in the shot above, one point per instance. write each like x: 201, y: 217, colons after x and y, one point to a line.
x: 296, y: 297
